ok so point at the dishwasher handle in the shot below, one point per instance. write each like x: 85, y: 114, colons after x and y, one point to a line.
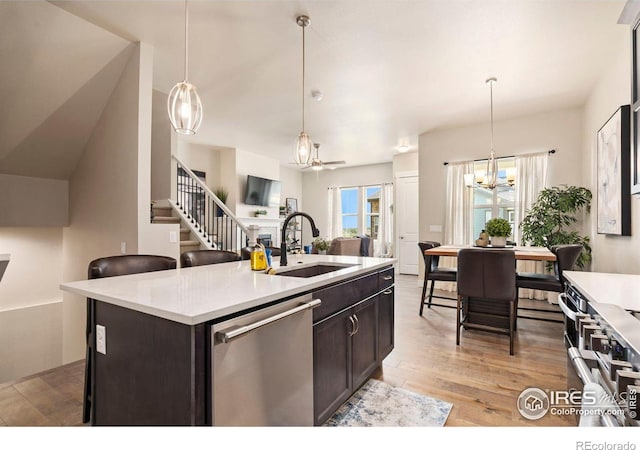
x: 232, y: 333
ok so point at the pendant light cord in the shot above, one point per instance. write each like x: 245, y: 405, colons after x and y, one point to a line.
x: 303, y: 27
x: 186, y: 38
x: 491, y: 90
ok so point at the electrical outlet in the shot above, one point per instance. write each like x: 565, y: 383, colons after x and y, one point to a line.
x: 173, y: 236
x: 123, y: 247
x: 101, y: 339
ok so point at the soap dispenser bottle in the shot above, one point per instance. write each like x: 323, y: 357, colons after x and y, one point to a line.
x: 258, y: 258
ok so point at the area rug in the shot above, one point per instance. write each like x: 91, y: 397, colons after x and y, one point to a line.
x: 378, y: 404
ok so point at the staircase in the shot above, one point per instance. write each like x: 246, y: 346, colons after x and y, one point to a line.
x: 166, y: 214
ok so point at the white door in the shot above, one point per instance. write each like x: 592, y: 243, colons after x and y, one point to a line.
x: 407, y: 224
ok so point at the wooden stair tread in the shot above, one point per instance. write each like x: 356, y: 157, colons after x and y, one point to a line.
x: 166, y: 219
x: 189, y: 243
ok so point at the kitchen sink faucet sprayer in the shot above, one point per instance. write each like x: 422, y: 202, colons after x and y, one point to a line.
x: 283, y: 244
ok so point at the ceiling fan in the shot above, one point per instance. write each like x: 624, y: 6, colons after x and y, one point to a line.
x: 317, y: 164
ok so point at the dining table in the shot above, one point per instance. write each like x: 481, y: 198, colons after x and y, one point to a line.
x: 521, y: 252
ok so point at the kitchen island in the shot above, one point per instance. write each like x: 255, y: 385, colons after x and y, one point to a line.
x: 156, y: 365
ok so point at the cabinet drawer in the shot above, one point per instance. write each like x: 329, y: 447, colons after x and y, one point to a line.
x: 385, y: 278
x: 336, y: 298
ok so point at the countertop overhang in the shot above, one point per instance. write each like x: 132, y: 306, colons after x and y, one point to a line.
x: 619, y: 289
x: 195, y: 295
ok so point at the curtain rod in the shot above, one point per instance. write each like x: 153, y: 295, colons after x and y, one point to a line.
x: 551, y: 152
x: 362, y: 185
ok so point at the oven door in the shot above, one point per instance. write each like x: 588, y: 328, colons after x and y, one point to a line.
x: 569, y: 310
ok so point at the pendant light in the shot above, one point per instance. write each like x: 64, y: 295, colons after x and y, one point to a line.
x: 489, y: 180
x: 303, y: 143
x: 183, y: 104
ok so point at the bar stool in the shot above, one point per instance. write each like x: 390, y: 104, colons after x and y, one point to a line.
x: 434, y: 273
x: 203, y: 257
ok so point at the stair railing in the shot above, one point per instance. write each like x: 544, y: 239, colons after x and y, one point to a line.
x: 208, y: 217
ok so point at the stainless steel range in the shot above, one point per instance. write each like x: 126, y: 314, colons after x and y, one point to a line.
x: 603, y: 358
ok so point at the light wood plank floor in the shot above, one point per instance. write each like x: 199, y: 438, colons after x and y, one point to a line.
x: 479, y: 377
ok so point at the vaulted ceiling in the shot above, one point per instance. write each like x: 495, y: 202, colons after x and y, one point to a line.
x: 388, y: 70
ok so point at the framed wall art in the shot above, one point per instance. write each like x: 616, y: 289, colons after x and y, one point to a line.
x: 614, y: 174
x: 292, y: 205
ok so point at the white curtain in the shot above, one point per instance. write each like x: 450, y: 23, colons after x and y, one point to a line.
x: 334, y: 213
x: 383, y: 244
x: 458, y: 221
x: 531, y: 178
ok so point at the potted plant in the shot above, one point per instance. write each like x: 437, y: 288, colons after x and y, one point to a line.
x: 551, y: 219
x: 261, y: 212
x: 321, y: 245
x: 222, y: 194
x: 498, y: 229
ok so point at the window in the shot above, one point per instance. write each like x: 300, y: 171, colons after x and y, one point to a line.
x: 360, y: 211
x: 498, y: 202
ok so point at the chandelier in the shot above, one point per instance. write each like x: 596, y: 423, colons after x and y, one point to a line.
x: 489, y: 178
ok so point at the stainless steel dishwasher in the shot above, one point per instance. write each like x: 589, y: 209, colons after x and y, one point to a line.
x: 262, y: 366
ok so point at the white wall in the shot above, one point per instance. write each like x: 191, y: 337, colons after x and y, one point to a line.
x: 204, y: 158
x: 291, y: 183
x: 160, y: 148
x: 610, y: 253
x: 258, y: 165
x: 30, y: 312
x: 33, y: 202
x: 405, y: 162
x: 560, y: 130
x: 103, y: 198
x: 316, y: 184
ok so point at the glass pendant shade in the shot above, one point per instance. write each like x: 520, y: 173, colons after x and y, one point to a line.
x: 303, y: 148
x: 185, y: 108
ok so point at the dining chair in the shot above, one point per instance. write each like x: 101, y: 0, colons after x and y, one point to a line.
x: 204, y: 257
x: 112, y: 266
x: 566, y: 257
x: 487, y: 292
x: 434, y: 273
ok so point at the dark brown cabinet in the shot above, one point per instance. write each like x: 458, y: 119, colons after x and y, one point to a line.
x: 349, y: 345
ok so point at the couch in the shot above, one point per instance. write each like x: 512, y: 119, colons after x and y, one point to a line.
x: 350, y: 246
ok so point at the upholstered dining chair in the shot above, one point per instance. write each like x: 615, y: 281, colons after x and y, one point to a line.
x: 112, y: 266
x: 203, y: 257
x: 566, y: 257
x: 487, y: 291
x: 433, y: 273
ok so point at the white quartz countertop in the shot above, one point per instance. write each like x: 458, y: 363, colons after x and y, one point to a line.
x: 618, y: 289
x: 198, y: 294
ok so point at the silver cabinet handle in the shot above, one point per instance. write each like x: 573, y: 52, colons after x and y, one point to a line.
x: 353, y: 326
x: 387, y: 292
x: 357, y: 324
x: 387, y: 278
x: 226, y: 336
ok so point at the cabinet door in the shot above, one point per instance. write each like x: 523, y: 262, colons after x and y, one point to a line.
x: 331, y: 365
x: 365, y: 341
x: 385, y: 323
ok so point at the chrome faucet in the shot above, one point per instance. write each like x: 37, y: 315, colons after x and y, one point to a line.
x: 283, y: 244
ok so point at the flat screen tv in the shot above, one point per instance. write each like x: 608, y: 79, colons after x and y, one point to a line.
x: 262, y: 192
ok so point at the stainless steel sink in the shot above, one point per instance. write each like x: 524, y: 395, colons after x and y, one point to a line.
x: 312, y: 270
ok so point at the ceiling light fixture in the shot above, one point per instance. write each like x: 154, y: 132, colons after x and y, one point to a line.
x: 403, y: 148
x: 183, y: 104
x: 489, y: 179
x: 303, y: 144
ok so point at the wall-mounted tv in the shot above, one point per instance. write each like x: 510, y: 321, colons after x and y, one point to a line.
x: 262, y: 192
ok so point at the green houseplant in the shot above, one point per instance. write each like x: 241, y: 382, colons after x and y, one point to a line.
x: 552, y: 217
x: 321, y: 245
x: 499, y: 229
x: 222, y: 194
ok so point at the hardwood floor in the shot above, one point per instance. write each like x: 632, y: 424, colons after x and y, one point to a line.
x: 478, y: 377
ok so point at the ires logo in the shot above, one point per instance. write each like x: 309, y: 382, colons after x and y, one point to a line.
x: 534, y: 403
